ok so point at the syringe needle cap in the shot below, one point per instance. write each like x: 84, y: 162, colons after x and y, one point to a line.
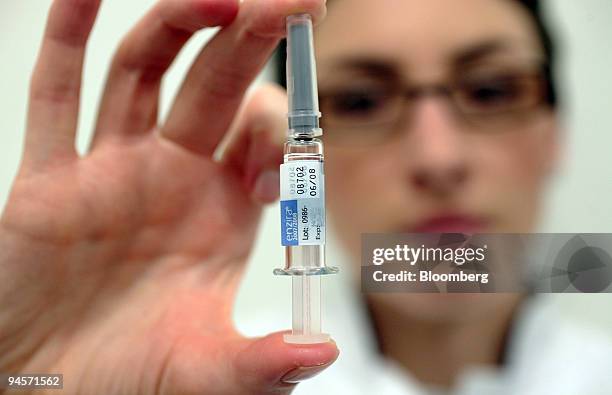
x: 302, y: 76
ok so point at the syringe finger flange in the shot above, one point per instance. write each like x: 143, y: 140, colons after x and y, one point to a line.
x: 311, y: 271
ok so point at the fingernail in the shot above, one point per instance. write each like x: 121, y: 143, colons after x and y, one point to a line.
x: 303, y: 373
x: 267, y: 186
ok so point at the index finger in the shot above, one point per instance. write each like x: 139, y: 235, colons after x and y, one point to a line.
x: 214, y: 87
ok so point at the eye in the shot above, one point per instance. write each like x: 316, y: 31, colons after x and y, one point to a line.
x: 500, y: 92
x: 357, y: 103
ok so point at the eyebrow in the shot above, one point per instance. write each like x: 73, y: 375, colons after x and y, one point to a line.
x: 373, y: 66
x: 377, y: 66
x: 478, y: 51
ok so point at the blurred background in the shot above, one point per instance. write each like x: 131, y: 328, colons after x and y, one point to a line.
x: 580, y: 196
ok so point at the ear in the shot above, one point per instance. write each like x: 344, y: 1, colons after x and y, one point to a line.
x: 553, y: 138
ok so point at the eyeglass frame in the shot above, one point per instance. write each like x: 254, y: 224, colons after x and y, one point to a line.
x: 542, y: 71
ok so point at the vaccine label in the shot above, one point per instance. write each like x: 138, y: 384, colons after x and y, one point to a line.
x: 302, y: 193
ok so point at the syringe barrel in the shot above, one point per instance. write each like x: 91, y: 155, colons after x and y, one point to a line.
x: 305, y: 257
x: 303, y: 209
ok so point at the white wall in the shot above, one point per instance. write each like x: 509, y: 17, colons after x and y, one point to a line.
x: 581, y: 199
x: 581, y: 196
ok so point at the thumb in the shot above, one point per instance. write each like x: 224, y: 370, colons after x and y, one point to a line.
x: 269, y: 365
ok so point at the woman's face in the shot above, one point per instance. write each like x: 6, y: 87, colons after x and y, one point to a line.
x: 474, y: 160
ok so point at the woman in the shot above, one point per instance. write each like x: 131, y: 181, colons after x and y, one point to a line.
x: 455, y: 104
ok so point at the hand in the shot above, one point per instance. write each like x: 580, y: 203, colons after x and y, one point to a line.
x: 119, y: 269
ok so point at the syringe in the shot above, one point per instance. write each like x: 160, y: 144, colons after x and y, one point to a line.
x: 302, y: 187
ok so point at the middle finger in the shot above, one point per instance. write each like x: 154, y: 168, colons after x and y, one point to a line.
x: 130, y: 102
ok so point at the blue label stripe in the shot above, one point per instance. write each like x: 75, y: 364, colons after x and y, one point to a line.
x: 289, y: 222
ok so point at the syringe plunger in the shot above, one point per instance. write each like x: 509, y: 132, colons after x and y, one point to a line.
x: 306, y: 311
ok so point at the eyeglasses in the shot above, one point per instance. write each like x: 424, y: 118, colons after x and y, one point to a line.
x: 483, y: 101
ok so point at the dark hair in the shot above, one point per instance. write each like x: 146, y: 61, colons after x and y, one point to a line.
x: 535, y: 10
x: 534, y: 7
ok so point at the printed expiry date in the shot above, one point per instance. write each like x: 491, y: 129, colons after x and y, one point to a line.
x: 304, y: 181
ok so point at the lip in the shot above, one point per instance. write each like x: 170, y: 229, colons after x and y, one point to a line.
x: 451, y: 223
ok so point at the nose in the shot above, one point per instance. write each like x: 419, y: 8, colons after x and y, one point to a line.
x: 438, y: 160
